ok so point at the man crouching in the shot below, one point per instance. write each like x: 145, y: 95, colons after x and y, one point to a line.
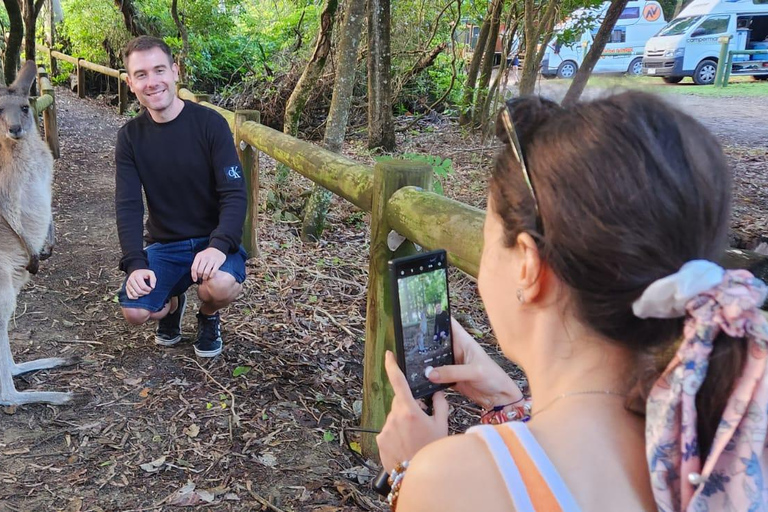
x: 183, y: 157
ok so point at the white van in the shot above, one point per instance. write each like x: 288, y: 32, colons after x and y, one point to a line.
x: 689, y: 45
x: 624, y: 51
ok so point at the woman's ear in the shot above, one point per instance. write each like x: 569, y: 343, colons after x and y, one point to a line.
x: 531, y: 267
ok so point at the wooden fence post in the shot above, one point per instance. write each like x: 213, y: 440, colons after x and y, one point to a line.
x: 54, y: 65
x: 388, y: 177
x: 180, y: 86
x: 728, y: 68
x: 80, y: 79
x: 722, y: 61
x: 199, y: 98
x: 249, y: 159
x: 50, y: 123
x: 122, y: 91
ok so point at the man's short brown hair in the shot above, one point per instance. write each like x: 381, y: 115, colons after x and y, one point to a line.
x: 143, y: 44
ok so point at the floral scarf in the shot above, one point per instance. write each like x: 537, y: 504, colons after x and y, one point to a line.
x: 734, y: 475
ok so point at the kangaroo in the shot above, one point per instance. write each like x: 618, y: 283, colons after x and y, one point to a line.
x: 26, y: 173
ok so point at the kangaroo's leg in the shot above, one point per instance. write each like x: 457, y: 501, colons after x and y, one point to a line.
x: 8, y: 393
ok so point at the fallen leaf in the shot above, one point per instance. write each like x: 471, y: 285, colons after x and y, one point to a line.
x: 132, y: 381
x: 75, y: 505
x: 154, y: 466
x: 241, y: 370
x: 268, y: 460
x: 187, y: 496
x: 192, y: 430
x: 144, y: 393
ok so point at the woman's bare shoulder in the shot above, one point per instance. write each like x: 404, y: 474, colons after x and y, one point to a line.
x: 456, y: 473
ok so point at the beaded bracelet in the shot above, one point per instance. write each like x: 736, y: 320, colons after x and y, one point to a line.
x: 395, y: 481
x: 498, y: 414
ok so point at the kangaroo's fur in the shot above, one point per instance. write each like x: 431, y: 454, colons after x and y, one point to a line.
x: 26, y: 173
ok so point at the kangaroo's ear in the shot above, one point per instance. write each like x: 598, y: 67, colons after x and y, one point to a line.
x: 24, y: 79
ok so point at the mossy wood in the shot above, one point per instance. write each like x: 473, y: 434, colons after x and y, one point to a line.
x: 379, y: 329
x: 80, y: 79
x: 64, y: 57
x: 122, y: 91
x: 42, y: 102
x: 104, y: 70
x: 340, y: 175
x: 50, y: 123
x: 249, y: 159
x: 436, y: 222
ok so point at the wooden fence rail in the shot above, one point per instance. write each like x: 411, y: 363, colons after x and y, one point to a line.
x: 395, y: 193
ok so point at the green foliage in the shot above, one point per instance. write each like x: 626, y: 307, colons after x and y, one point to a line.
x: 85, y: 38
x: 241, y: 370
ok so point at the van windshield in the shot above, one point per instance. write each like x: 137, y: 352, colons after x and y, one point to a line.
x: 679, y: 26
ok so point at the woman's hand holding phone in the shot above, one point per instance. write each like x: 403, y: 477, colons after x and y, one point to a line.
x: 475, y: 375
x: 408, y: 428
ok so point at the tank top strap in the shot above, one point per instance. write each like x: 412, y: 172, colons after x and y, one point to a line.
x: 532, y: 481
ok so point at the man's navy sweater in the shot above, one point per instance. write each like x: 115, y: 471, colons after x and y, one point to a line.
x: 192, y: 180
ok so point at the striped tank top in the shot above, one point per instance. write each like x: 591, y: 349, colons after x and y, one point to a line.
x: 532, y: 481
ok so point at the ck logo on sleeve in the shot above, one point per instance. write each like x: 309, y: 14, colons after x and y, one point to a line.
x: 233, y: 173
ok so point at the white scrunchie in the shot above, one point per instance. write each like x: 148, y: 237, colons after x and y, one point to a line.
x: 667, y: 297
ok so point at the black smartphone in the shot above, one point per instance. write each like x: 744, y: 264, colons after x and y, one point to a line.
x: 421, y: 310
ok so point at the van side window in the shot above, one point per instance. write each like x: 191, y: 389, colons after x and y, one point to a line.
x: 619, y: 35
x: 631, y: 13
x: 712, y: 26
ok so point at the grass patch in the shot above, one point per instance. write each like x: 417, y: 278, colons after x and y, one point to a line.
x: 741, y: 86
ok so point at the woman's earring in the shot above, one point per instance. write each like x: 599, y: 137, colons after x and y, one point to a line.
x: 520, y: 296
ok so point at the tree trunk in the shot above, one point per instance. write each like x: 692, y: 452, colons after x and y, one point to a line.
x: 381, y: 127
x: 182, y: 56
x: 678, y: 7
x: 312, y: 71
x: 590, y: 59
x: 536, y: 31
x: 338, y: 113
x: 487, y: 67
x: 474, y: 68
x: 15, y: 39
x: 423, y: 63
x: 132, y: 23
x: 30, y: 10
x: 308, y: 79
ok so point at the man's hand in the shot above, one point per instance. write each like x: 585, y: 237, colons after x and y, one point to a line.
x: 140, y: 283
x: 207, y: 263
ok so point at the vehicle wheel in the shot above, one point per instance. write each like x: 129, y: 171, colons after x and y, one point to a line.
x: 635, y: 67
x: 672, y: 79
x: 705, y: 72
x: 761, y: 78
x: 567, y: 69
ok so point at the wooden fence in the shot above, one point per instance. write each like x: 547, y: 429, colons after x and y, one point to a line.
x: 396, y: 193
x: 45, y: 104
x: 727, y: 65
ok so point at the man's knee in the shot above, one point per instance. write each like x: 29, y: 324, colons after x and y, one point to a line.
x: 221, y: 288
x: 136, y: 316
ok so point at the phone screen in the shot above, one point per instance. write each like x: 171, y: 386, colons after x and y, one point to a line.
x: 422, y: 318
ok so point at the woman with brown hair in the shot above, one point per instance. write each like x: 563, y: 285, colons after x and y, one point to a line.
x: 603, y: 221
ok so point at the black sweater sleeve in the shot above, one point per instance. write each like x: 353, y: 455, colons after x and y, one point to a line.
x: 230, y: 186
x: 129, y: 208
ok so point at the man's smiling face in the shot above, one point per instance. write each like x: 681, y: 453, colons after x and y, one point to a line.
x: 152, y: 77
